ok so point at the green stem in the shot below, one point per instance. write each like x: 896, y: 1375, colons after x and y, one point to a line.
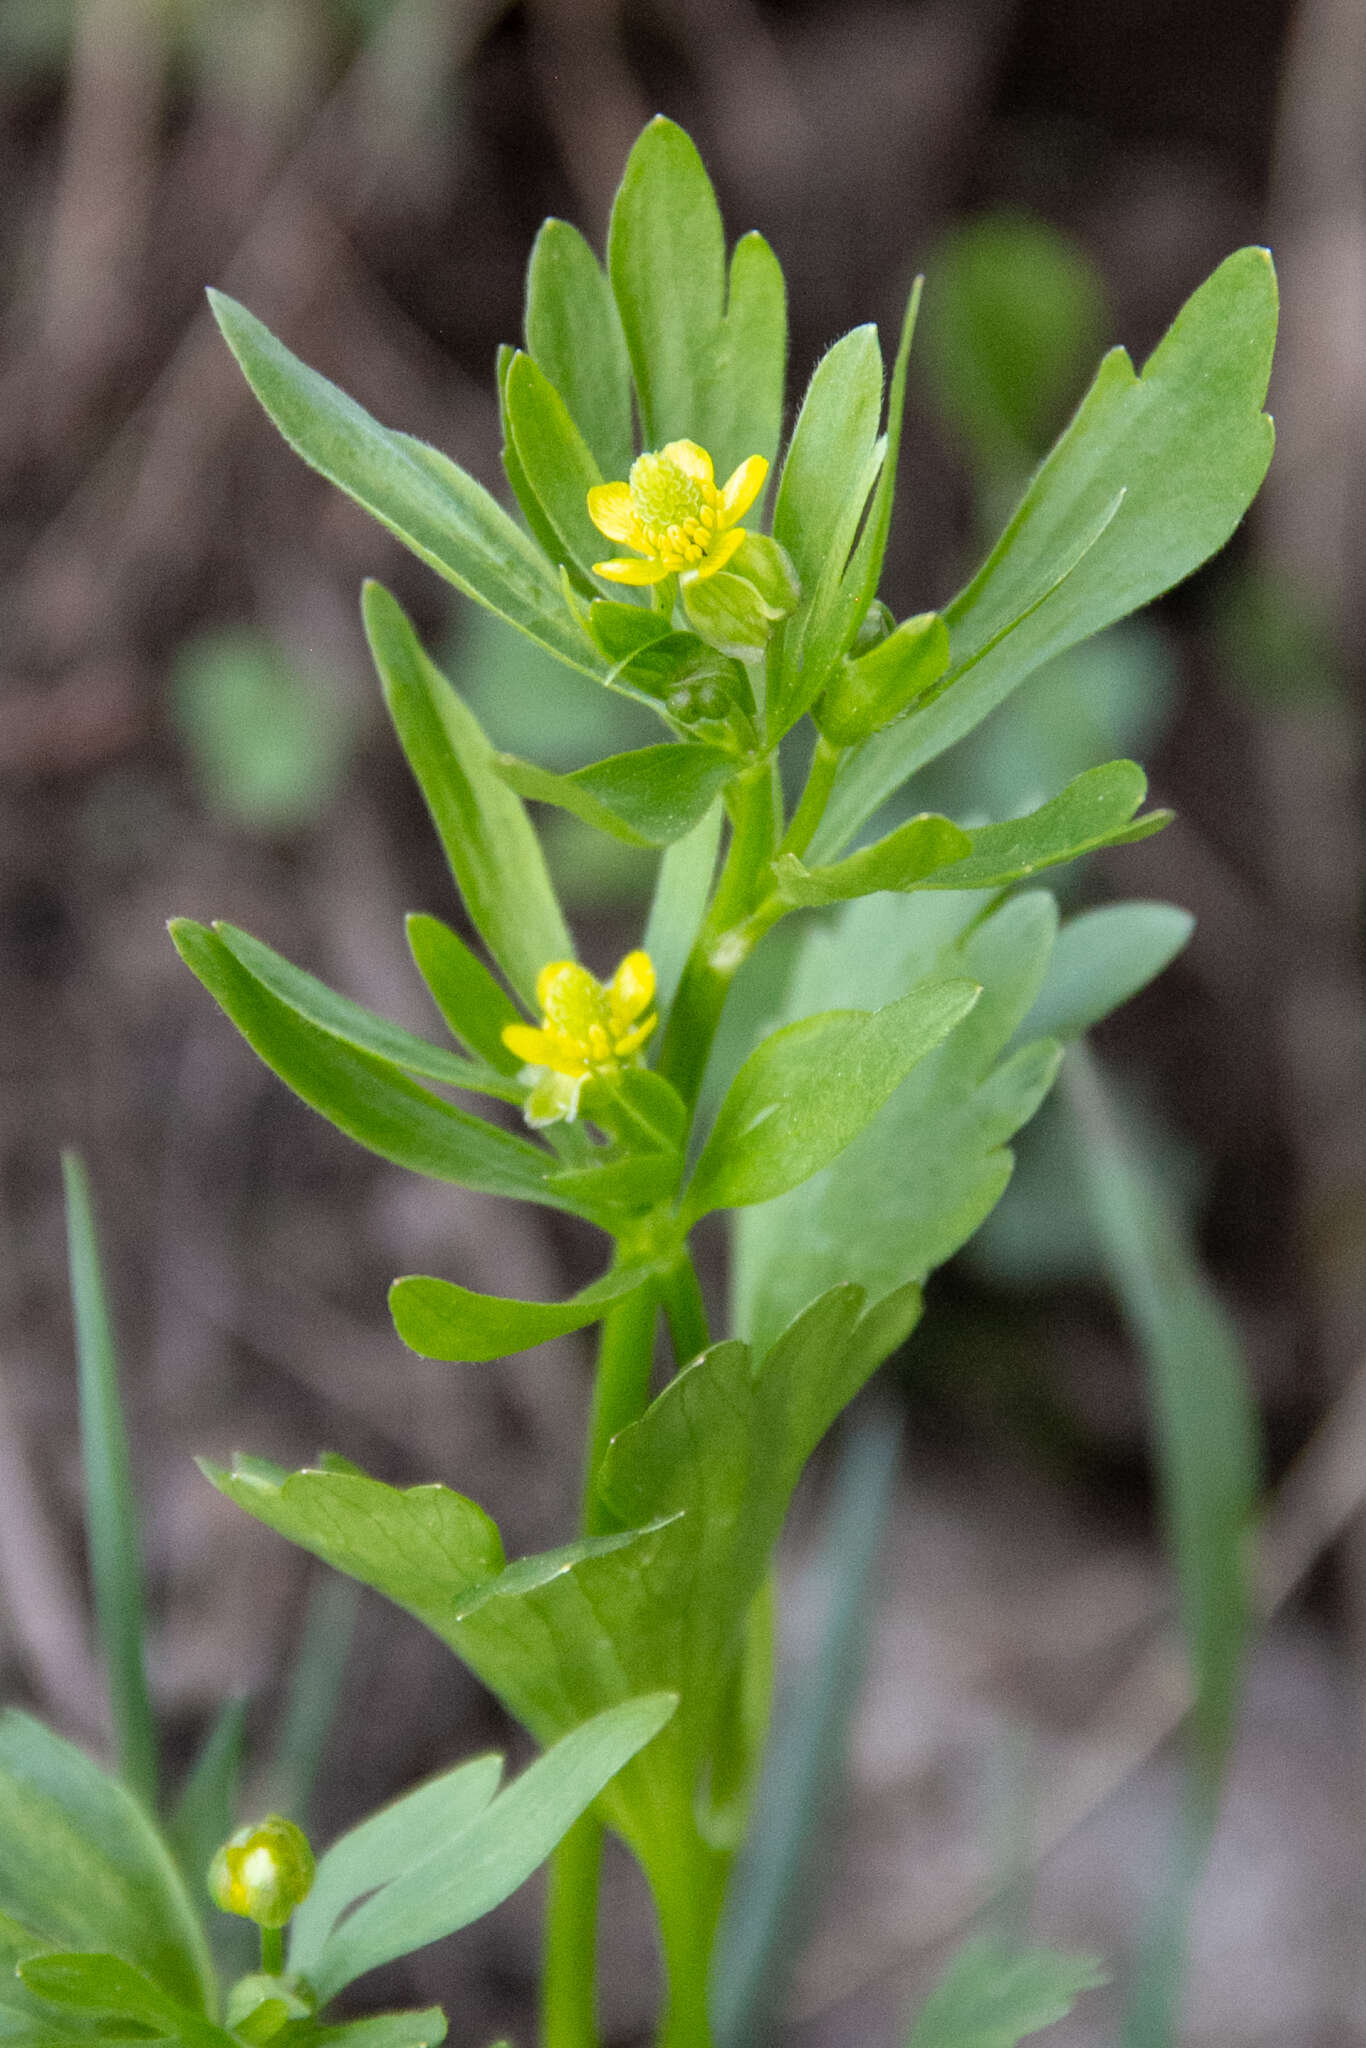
x: 621, y: 1389
x: 569, y: 2016
x: 273, y: 1951
x: 819, y: 783
x: 685, y: 1309
x: 688, y: 1899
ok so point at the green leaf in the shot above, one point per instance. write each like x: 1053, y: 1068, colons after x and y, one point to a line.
x: 474, y: 1005
x: 869, y: 692
x: 745, y: 402
x: 470, y: 1873
x: 808, y: 1090
x: 367, y: 1098
x: 106, y: 1984
x: 573, y: 333
x: 426, y: 1549
x: 492, y: 850
x: 423, y: 498
x: 556, y: 462
x: 901, y: 861
x: 682, y: 888
x: 666, y: 258
x: 647, y: 798
x: 356, y: 1026
x: 1205, y: 1416
x: 991, y: 1996
x: 384, y: 2030
x: 1093, y: 811
x: 112, y: 1540
x: 83, y: 1866
x: 952, y: 1118
x: 386, y: 1844
x: 437, y: 1319
x: 1101, y: 959
x: 1187, y: 443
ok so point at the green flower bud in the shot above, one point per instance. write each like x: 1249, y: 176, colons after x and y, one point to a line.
x: 263, y: 1871
x: 890, y: 679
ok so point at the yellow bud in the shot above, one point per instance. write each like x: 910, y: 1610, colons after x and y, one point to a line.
x: 263, y: 1871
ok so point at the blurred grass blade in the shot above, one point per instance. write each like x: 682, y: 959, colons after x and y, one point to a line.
x: 314, y: 1688
x: 207, y: 1807
x: 1206, y: 1450
x: 772, y: 1896
x: 111, y: 1514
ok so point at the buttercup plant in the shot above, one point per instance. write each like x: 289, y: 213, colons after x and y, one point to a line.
x: 864, y: 1137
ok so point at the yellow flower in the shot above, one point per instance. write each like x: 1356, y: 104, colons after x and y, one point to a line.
x: 263, y: 1871
x: 589, y: 1029
x: 672, y: 514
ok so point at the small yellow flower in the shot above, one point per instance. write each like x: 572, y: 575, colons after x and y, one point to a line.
x: 263, y: 1871
x: 589, y: 1029
x: 672, y: 513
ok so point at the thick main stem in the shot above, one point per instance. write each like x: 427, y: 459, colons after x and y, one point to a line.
x: 569, y: 2015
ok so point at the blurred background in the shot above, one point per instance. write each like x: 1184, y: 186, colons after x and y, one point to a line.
x: 188, y: 724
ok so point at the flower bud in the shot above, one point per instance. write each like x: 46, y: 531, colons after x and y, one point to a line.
x: 889, y: 679
x: 263, y: 1871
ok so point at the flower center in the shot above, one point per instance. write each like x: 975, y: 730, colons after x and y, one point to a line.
x: 677, y: 511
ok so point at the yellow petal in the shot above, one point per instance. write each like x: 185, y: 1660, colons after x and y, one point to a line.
x: 692, y: 460
x: 720, y: 554
x: 742, y: 488
x: 611, y: 511
x: 548, y: 977
x: 632, y: 987
x: 624, y: 570
x: 535, y: 1047
x: 635, y: 1039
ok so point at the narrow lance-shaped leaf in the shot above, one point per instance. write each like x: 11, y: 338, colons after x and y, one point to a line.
x: 354, y: 1025
x: 423, y: 498
x: 112, y: 1523
x: 367, y: 1098
x: 557, y: 463
x: 902, y: 861
x: 680, y: 899
x: 384, y: 1845
x: 438, y: 1319
x: 573, y: 333
x: 809, y: 1089
x: 745, y: 402
x: 1188, y: 444
x: 493, y: 852
x: 648, y: 798
x: 474, y: 1005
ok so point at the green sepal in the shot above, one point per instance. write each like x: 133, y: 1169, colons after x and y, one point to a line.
x: 765, y: 563
x: 903, y: 860
x: 573, y: 333
x: 474, y: 1005
x: 368, y: 1098
x: 728, y: 613
x: 871, y: 689
x: 356, y: 1026
x: 647, y: 798
x: 809, y: 1089
x: 493, y: 853
x: 437, y: 1319
x: 423, y: 498
x: 639, y: 1108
